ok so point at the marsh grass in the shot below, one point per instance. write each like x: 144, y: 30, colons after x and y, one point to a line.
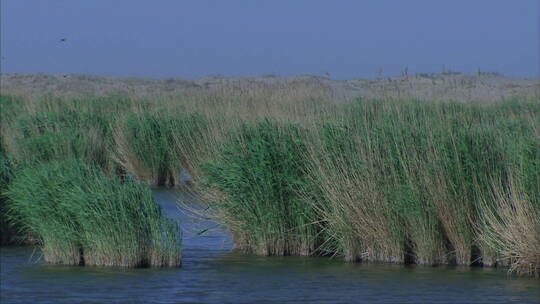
x: 50, y: 136
x: 157, y: 146
x: 259, y: 173
x: 405, y: 181
x: 401, y: 181
x: 84, y: 217
x: 510, y: 227
x: 7, y: 230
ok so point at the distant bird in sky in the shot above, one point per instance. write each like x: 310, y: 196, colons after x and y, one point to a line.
x: 63, y: 40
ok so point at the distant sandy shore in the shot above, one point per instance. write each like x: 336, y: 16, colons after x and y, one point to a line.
x: 422, y: 86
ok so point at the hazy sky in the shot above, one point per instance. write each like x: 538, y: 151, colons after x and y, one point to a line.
x: 347, y: 39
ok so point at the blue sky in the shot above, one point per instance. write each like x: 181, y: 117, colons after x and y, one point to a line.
x: 346, y: 39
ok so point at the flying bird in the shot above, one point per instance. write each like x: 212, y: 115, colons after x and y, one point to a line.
x: 63, y: 40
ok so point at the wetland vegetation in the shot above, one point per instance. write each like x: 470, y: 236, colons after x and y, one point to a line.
x: 393, y: 180
x: 80, y: 216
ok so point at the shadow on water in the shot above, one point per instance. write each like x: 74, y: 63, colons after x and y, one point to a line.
x: 214, y: 273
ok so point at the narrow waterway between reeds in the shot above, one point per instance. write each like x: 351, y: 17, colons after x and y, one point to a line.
x: 212, y: 272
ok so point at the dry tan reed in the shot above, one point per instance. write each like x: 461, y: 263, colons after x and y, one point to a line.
x: 510, y: 226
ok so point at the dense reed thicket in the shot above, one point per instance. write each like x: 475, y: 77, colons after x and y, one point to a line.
x: 261, y: 173
x: 8, y: 232
x: 83, y: 217
x: 157, y: 147
x: 420, y: 173
x: 372, y: 180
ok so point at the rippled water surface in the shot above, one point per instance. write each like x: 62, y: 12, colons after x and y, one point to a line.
x: 213, y: 273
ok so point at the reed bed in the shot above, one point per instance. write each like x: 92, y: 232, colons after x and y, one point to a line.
x: 8, y: 233
x: 509, y: 226
x: 403, y: 181
x: 260, y: 173
x: 156, y: 147
x: 83, y: 217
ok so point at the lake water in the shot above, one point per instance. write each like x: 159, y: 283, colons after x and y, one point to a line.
x: 212, y: 272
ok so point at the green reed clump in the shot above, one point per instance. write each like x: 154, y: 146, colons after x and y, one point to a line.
x: 46, y: 136
x: 156, y: 147
x: 8, y: 233
x: 84, y: 217
x: 259, y: 175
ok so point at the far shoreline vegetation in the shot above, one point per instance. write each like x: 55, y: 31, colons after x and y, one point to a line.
x: 287, y: 168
